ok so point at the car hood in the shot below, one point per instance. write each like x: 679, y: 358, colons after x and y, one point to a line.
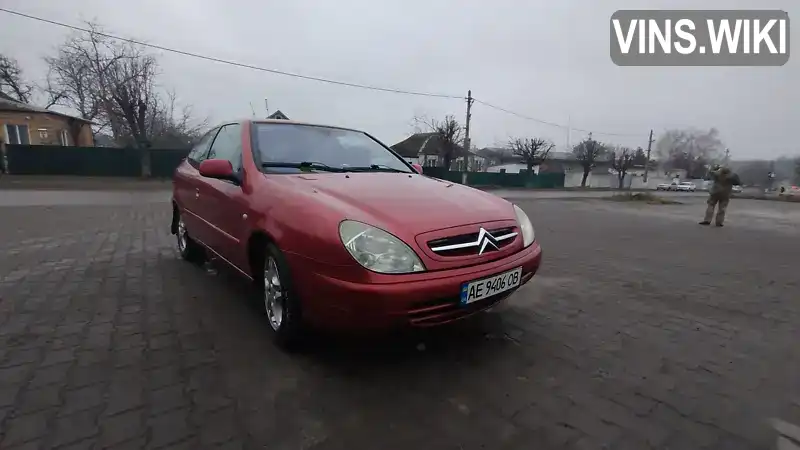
x: 401, y: 203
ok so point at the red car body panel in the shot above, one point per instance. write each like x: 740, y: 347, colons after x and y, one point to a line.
x: 301, y: 213
x: 421, y: 300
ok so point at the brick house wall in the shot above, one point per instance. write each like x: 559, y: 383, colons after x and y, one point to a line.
x: 46, y: 129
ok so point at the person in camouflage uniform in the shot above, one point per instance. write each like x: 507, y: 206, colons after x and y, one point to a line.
x: 720, y: 194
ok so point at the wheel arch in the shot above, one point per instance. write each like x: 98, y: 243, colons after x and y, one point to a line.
x: 256, y: 248
x: 173, y: 228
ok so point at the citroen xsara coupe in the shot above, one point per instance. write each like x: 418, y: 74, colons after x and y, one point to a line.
x: 336, y: 230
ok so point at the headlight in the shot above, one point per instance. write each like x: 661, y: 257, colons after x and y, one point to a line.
x: 525, y: 226
x: 378, y: 250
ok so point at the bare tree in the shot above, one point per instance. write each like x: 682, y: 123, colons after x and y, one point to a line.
x: 690, y: 149
x: 12, y: 82
x: 533, y: 151
x: 174, y: 128
x: 639, y: 157
x: 621, y: 160
x: 588, y: 152
x: 114, y: 84
x: 448, y: 133
x: 74, y: 77
x: 753, y: 173
x: 90, y: 69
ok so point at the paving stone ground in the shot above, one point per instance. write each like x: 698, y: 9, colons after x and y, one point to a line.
x: 643, y: 330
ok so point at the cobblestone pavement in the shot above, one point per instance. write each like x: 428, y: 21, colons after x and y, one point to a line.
x: 643, y: 330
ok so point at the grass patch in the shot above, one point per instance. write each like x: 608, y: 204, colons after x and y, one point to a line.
x: 642, y: 197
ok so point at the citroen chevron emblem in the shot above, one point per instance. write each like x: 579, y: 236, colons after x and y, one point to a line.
x: 485, y: 238
x: 484, y: 241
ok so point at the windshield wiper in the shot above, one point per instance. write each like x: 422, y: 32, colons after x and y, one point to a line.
x: 304, y: 165
x: 376, y: 167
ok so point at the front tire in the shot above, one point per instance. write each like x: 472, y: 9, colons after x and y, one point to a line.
x: 278, y: 300
x: 188, y: 248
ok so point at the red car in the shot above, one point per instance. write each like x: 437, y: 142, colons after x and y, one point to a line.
x: 336, y: 230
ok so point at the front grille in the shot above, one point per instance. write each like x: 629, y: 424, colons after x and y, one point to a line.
x: 471, y: 244
x: 445, y: 310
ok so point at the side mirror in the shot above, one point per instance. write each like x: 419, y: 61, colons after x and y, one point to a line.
x: 220, y: 169
x: 417, y: 167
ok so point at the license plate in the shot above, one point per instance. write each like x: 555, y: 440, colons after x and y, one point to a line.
x: 480, y: 289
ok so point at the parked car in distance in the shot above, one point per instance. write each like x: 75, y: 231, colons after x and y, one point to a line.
x: 667, y: 186
x: 737, y: 189
x: 790, y: 190
x: 326, y: 223
x: 686, y: 186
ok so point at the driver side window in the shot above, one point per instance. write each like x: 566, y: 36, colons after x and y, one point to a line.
x: 228, y: 145
x: 199, y: 152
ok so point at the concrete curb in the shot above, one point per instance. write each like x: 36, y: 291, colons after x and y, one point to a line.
x: 788, y: 435
x: 33, y: 182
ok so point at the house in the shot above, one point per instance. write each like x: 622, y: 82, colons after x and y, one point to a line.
x: 278, y: 115
x: 426, y: 149
x: 21, y: 123
x: 557, y: 162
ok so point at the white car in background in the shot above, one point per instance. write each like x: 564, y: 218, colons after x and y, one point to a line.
x: 686, y: 186
x: 667, y: 186
x: 737, y: 189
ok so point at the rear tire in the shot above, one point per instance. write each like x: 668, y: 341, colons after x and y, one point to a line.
x: 188, y: 248
x: 278, y: 299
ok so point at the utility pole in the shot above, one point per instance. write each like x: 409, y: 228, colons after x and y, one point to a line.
x: 470, y: 100
x: 266, y: 106
x: 569, y: 131
x: 647, y: 163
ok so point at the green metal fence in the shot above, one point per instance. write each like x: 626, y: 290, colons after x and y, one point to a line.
x: 164, y: 161
x: 522, y: 179
x: 90, y: 161
x: 127, y: 162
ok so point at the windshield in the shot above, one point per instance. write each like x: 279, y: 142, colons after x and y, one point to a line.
x: 292, y: 148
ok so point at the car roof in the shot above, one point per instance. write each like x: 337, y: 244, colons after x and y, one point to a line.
x: 294, y: 122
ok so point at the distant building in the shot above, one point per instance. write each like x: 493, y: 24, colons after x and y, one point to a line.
x: 556, y: 162
x: 425, y: 149
x: 24, y: 124
x: 278, y: 115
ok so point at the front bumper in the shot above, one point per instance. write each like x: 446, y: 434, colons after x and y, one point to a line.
x: 421, y: 300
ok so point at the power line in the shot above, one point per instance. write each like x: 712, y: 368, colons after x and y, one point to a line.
x: 545, y: 122
x: 233, y: 63
x: 297, y: 75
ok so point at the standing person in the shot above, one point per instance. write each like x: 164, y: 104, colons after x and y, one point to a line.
x: 720, y: 194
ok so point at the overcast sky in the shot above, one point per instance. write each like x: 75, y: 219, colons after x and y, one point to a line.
x: 544, y: 59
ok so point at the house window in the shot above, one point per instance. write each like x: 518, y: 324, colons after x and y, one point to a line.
x: 17, y: 134
x: 42, y: 133
x: 63, y: 137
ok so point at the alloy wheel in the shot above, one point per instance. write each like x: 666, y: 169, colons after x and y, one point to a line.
x: 273, y: 294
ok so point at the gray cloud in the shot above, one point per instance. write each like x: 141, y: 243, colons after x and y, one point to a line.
x: 548, y: 60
